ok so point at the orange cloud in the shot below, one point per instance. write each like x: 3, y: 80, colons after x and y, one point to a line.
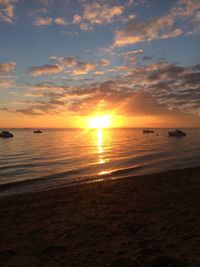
x: 45, y: 70
x: 77, y: 19
x: 79, y: 67
x: 134, y: 52
x: 7, y: 68
x: 60, y: 21
x: 43, y: 21
x: 148, y: 31
x: 99, y: 73
x: 96, y: 13
x: 4, y: 84
x: 70, y: 65
x: 104, y: 62
x: 7, y: 8
x: 162, y: 27
x: 84, y: 68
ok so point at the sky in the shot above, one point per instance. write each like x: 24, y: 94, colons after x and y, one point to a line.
x: 64, y: 61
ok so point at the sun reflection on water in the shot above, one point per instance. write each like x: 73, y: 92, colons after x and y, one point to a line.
x: 100, y: 146
x: 101, y: 139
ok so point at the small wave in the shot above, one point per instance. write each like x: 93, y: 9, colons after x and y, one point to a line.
x: 63, y: 159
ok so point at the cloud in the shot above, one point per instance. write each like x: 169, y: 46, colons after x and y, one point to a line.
x: 163, y: 27
x: 7, y: 8
x: 134, y: 52
x: 4, y: 83
x: 155, y: 89
x: 39, y: 21
x: 189, y: 11
x: 85, y: 27
x: 186, y: 9
x: 60, y: 21
x: 143, y: 104
x: 151, y: 90
x: 172, y: 33
x: 53, y: 59
x: 31, y: 111
x: 104, y: 62
x: 84, y: 68
x: 136, y: 32
x: 99, y: 73
x: 37, y: 12
x: 68, y: 62
x: 97, y: 14
x: 77, y: 19
x: 79, y: 67
x: 121, y: 68
x: 68, y: 65
x: 45, y: 70
x: 129, y: 18
x: 7, y: 68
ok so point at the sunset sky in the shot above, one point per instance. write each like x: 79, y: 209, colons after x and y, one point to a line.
x: 63, y: 61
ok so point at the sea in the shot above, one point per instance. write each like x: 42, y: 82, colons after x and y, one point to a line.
x: 66, y: 157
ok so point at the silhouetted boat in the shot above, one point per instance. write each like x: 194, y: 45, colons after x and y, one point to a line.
x: 6, y: 134
x: 37, y: 131
x: 148, y: 131
x: 177, y: 133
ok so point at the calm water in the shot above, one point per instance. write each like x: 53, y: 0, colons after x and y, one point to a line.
x: 35, y: 161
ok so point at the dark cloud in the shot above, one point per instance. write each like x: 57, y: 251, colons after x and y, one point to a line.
x: 155, y: 89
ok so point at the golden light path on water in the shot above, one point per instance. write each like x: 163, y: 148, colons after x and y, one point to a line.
x: 101, y: 159
x: 100, y: 146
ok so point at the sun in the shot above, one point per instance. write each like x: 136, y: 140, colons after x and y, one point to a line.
x: 99, y: 122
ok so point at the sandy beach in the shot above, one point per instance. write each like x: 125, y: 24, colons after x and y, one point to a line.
x: 151, y: 220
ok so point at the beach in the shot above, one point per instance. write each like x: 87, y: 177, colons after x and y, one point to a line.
x: 149, y: 220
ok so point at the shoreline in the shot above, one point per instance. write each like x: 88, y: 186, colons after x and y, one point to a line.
x: 133, y: 221
x: 27, y: 186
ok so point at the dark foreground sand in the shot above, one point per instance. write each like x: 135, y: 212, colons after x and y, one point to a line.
x: 152, y: 220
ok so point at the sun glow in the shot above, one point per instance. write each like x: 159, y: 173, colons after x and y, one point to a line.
x: 99, y: 122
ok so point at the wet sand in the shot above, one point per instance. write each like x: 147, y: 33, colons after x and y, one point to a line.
x: 151, y: 220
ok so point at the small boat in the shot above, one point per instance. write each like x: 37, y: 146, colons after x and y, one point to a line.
x: 37, y: 131
x: 148, y: 131
x: 6, y: 134
x: 177, y: 133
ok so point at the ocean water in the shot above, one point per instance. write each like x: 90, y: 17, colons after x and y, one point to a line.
x: 60, y: 157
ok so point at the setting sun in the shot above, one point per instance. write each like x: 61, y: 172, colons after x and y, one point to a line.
x: 103, y: 121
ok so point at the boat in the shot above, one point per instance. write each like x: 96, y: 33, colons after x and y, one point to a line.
x: 6, y: 134
x: 177, y: 133
x: 148, y: 131
x: 37, y: 131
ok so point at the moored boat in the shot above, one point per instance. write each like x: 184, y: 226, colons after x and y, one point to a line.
x: 148, y: 131
x: 6, y: 134
x: 177, y: 133
x: 37, y: 131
